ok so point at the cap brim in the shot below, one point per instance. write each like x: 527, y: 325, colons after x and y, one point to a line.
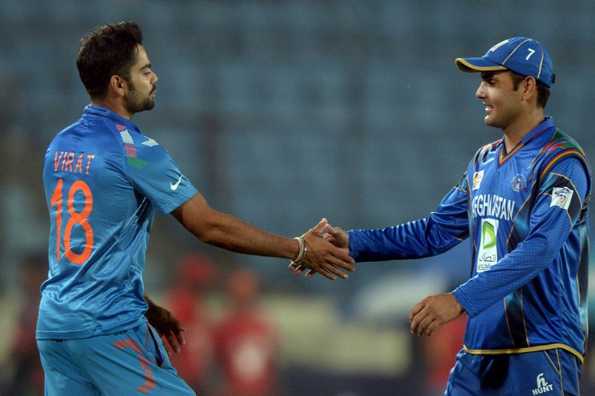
x: 477, y: 64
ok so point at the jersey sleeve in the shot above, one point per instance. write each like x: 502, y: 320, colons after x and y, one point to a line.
x: 557, y: 208
x: 155, y: 174
x: 440, y: 231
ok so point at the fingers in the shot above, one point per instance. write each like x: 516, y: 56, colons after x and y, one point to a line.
x: 424, y: 325
x: 338, y: 237
x: 180, y: 336
x: 416, y: 309
x: 432, y: 327
x: 417, y: 319
x: 173, y: 345
x: 324, y: 272
x: 321, y: 227
x: 425, y: 318
x: 295, y: 268
x: 346, y: 260
x: 337, y: 267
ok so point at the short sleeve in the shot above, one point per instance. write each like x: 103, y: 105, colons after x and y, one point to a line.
x: 155, y: 174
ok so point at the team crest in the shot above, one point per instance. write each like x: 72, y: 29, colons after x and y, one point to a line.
x: 477, y: 178
x: 518, y: 183
x: 561, y: 197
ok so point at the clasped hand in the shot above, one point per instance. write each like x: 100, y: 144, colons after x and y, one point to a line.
x: 327, y: 253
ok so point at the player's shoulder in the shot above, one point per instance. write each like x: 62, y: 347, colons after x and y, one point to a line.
x: 484, y: 151
x: 135, y: 136
x: 563, y: 149
x: 562, y: 142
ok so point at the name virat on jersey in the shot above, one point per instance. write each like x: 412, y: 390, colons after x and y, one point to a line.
x: 492, y: 205
x: 70, y: 161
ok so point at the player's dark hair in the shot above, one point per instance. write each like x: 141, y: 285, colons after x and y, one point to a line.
x: 109, y: 50
x: 543, y: 92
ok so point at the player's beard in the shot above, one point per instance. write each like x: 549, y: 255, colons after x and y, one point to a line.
x: 135, y: 102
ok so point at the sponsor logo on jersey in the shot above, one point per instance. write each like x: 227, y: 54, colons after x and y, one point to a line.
x: 542, y: 386
x: 490, y: 205
x: 561, y: 197
x: 488, y: 247
x: 477, y: 178
x: 174, y: 186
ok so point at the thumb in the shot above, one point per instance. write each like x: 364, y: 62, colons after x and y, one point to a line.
x: 321, y: 227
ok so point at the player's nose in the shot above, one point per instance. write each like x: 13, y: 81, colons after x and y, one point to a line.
x: 480, y: 91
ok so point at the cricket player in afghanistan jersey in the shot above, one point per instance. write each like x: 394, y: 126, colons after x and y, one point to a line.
x: 523, y: 201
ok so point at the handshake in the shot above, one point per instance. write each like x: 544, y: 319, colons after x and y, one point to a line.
x: 323, y: 249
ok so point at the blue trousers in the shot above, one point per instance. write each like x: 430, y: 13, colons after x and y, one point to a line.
x: 550, y: 373
x: 133, y: 362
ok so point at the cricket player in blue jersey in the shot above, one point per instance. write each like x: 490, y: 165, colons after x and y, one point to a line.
x: 523, y: 201
x: 104, y: 183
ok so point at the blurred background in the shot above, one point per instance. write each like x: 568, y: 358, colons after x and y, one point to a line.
x: 281, y: 112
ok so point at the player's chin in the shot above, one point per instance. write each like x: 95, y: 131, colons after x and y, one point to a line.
x: 149, y: 104
x: 490, y: 120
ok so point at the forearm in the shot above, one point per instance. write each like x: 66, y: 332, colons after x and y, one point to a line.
x: 415, y: 239
x: 440, y: 231
x: 228, y: 232
x: 512, y: 272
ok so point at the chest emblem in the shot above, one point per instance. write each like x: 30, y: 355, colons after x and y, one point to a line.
x: 518, y: 183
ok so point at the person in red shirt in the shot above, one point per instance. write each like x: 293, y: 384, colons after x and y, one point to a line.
x: 246, y: 343
x: 440, y: 351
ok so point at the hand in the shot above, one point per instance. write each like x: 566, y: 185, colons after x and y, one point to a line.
x: 337, y: 236
x: 166, y: 325
x: 432, y: 312
x: 322, y: 257
x: 322, y: 229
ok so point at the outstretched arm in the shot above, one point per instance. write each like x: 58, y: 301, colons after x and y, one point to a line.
x: 440, y: 231
x: 228, y: 232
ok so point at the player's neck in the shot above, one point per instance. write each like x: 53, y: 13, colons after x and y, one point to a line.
x: 114, y: 105
x: 524, y: 124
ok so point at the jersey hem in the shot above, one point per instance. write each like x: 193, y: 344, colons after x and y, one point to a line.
x: 516, y: 351
x: 88, y: 333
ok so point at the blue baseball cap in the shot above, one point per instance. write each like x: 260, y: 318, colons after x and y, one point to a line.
x: 522, y: 55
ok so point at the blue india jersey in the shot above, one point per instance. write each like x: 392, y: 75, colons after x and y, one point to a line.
x: 526, y: 213
x: 104, y: 182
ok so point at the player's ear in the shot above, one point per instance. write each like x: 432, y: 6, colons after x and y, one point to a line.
x: 529, y: 86
x: 118, y: 85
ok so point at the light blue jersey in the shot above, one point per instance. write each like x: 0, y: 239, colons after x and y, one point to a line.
x: 104, y: 181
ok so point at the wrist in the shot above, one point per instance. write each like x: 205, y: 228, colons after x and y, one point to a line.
x: 302, y: 249
x: 460, y: 308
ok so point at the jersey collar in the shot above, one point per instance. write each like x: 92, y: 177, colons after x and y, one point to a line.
x: 534, y: 135
x: 101, y: 111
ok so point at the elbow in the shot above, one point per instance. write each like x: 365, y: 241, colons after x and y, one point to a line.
x: 205, y: 230
x: 543, y: 250
x: 198, y: 218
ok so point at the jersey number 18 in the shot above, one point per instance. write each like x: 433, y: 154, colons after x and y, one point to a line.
x: 80, y: 218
